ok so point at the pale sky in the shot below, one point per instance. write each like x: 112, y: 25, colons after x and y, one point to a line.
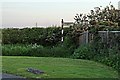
x: 22, y: 13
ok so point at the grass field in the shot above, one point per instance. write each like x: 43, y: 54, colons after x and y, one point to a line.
x: 56, y: 67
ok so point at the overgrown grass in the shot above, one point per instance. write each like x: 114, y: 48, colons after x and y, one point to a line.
x: 56, y: 67
x: 37, y: 50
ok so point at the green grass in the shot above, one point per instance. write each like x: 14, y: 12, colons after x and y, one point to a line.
x: 56, y: 67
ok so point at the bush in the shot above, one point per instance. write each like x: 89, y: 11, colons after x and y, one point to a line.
x: 83, y: 52
x: 15, y: 50
x: 23, y: 50
x: 61, y: 51
x: 112, y: 59
x: 99, y: 53
x: 43, y: 36
x: 36, y: 50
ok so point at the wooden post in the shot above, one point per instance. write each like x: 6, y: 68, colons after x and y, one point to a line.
x: 107, y: 36
x: 87, y: 37
x: 62, y: 30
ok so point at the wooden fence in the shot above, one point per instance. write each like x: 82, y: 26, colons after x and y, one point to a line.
x: 105, y: 36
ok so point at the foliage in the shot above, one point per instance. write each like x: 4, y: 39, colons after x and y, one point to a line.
x: 108, y: 56
x: 62, y: 50
x: 106, y: 51
x: 50, y: 36
x: 83, y: 52
x: 42, y: 36
x: 15, y: 50
x: 98, y: 19
x: 107, y: 17
x: 111, y: 58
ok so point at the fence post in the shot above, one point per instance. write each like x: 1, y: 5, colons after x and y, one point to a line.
x: 107, y: 36
x: 87, y: 36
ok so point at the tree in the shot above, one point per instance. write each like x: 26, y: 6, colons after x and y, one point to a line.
x: 97, y: 18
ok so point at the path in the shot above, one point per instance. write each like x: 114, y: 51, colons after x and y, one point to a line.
x: 10, y: 76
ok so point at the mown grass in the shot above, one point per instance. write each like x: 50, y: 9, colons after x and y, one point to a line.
x: 56, y: 67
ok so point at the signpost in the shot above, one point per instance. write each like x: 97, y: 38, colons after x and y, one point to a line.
x: 62, y: 30
x: 64, y: 24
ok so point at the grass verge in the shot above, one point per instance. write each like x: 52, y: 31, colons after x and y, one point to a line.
x: 56, y: 67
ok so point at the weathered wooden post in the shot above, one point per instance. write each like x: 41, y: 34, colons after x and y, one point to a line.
x: 62, y: 30
x: 107, y: 36
x: 87, y: 36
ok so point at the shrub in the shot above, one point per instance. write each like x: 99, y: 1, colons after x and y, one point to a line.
x: 64, y: 49
x: 112, y: 59
x: 43, y: 36
x: 22, y: 50
x: 99, y: 53
x: 83, y: 52
x: 15, y: 50
x: 36, y: 50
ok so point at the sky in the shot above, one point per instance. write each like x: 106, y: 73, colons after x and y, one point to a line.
x: 26, y: 13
